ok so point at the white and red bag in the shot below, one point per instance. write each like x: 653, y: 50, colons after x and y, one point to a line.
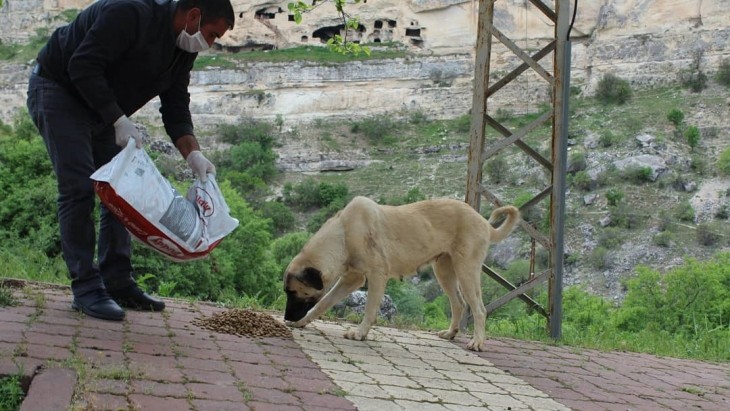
x: 180, y: 228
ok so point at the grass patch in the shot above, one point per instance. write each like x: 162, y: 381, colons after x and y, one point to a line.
x: 213, y: 61
x: 314, y: 54
x: 11, y: 393
x: 6, y: 297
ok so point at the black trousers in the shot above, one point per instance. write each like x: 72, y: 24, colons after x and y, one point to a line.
x: 78, y: 144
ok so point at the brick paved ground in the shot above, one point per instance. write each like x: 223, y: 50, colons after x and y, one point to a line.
x: 154, y: 361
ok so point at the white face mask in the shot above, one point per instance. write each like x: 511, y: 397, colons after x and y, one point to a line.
x: 192, y: 43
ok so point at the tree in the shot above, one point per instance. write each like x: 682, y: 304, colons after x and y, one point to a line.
x: 338, y: 43
x: 693, y: 136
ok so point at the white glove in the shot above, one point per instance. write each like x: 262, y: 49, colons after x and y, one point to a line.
x: 200, y: 165
x: 124, y: 130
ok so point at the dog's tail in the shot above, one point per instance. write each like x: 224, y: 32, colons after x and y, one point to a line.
x: 512, y: 214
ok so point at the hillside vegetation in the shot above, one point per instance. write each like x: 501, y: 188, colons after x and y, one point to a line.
x: 672, y: 299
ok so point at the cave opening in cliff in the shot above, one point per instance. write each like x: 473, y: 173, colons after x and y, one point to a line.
x: 267, y: 13
x: 378, y: 24
x: 328, y: 32
x: 413, y: 32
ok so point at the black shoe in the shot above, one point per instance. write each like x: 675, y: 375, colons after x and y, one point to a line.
x: 98, y: 304
x: 134, y: 298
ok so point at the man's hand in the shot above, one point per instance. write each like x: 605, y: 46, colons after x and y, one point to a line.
x: 200, y: 165
x: 124, y: 129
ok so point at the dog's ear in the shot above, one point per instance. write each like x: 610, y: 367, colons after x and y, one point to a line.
x: 312, y: 277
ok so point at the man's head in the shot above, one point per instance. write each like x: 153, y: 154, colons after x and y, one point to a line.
x: 213, y: 17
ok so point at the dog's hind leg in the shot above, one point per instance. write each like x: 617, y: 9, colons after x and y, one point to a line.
x: 444, y: 270
x: 376, y: 290
x: 469, y: 276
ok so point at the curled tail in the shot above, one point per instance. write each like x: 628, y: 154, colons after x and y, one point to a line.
x: 512, y: 214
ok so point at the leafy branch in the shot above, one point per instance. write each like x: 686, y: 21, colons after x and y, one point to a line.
x: 338, y: 42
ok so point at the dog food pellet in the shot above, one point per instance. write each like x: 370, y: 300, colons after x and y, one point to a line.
x: 244, y: 323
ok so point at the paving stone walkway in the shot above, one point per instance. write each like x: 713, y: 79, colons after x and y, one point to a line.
x: 161, y: 361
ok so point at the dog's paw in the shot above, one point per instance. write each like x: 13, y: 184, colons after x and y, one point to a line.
x: 296, y: 324
x: 475, y: 345
x: 447, y: 334
x: 355, y: 335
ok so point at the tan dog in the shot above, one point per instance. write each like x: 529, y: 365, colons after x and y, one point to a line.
x: 368, y: 241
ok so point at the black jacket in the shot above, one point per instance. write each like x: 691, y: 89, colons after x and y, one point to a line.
x: 119, y: 54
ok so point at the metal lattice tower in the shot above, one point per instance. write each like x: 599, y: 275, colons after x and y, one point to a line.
x: 479, y: 152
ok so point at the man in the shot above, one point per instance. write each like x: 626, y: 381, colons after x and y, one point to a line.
x: 95, y: 72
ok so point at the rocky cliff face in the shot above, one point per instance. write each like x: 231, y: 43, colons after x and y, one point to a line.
x: 644, y: 41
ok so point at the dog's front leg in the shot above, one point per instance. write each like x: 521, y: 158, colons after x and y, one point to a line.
x: 343, y: 288
x: 376, y: 290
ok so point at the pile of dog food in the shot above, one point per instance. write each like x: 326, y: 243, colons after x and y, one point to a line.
x: 244, y: 323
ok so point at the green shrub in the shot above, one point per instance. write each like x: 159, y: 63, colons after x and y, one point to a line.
x: 614, y: 196
x: 599, y: 258
x: 577, y: 161
x: 582, y: 181
x: 531, y: 214
x: 413, y: 195
x: 377, y: 129
x: 637, y: 174
x: 613, y: 90
x: 27, y: 190
x: 436, y: 313
x: 663, y: 239
x: 587, y: 312
x: 692, y: 134
x: 623, y: 215
x: 691, y: 299
x: 418, y: 117
x: 664, y: 220
x: 309, y: 194
x: 693, y: 79
x: 610, y: 237
x: 723, y: 161
x: 698, y: 164
x: 608, y: 139
x: 723, y: 213
x: 684, y: 212
x: 462, y: 124
x: 282, y: 218
x: 497, y: 169
x: 723, y: 73
x: 287, y: 247
x: 676, y: 117
x: 304, y: 195
x: 246, y: 130
x: 321, y: 216
x: 706, y: 234
x: 407, y: 299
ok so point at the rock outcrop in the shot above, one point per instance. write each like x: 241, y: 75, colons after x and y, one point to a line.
x: 645, y: 41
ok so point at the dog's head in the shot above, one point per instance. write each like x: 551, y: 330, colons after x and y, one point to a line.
x: 303, y: 287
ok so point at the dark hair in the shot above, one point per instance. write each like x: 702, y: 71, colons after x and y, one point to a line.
x: 212, y: 10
